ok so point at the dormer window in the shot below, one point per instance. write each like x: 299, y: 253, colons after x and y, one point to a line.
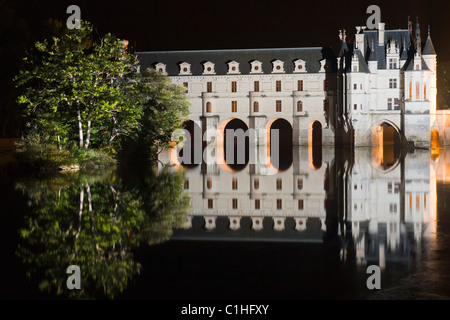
x: 278, y: 66
x: 392, y: 63
x: 299, y: 66
x: 323, y: 64
x: 233, y: 67
x: 256, y: 66
x: 161, y: 67
x: 185, y: 68
x: 208, y: 68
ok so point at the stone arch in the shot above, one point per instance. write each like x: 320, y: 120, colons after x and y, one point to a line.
x: 193, y: 141
x: 221, y: 144
x: 315, y: 144
x: 284, y: 148
x: 386, y: 140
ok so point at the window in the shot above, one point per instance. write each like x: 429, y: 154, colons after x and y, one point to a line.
x: 256, y: 183
x: 209, y: 87
x: 279, y: 204
x: 424, y: 91
x: 393, y: 208
x: 300, y: 204
x: 235, y: 203
x: 299, y: 184
x: 257, y: 204
x: 233, y: 86
x: 410, y: 201
x: 256, y: 86
x: 186, y: 85
x: 278, y: 85
x: 424, y: 201
x: 256, y: 106
x: 392, y: 83
x: 325, y: 85
x: 396, y: 187
x: 355, y: 106
x: 410, y: 91
x: 279, y: 184
x: 299, y: 106
x: 389, y: 187
x: 209, y: 183
x: 234, y: 184
x: 278, y: 105
x: 392, y: 63
x: 395, y: 103
x: 355, y: 187
x: 210, y: 203
x: 300, y: 85
x: 417, y: 202
x: 417, y: 90
x: 208, y: 107
x: 389, y: 104
x: 186, y: 184
x: 233, y: 106
x: 355, y: 86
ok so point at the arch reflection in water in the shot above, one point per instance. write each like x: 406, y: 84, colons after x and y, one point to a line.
x: 236, y: 158
x: 378, y: 215
x: 385, y: 145
x: 282, y: 160
x: 95, y: 220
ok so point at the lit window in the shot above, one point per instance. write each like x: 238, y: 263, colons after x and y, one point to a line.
x: 417, y: 90
x: 424, y: 91
x: 208, y: 107
x: 234, y: 184
x: 279, y: 184
x: 300, y: 204
x: 233, y: 86
x: 279, y: 204
x: 410, y: 91
x: 300, y: 184
x: 233, y: 106
x: 256, y: 84
x: 278, y: 85
x: 235, y: 203
x: 278, y: 105
x: 256, y: 106
x: 209, y: 183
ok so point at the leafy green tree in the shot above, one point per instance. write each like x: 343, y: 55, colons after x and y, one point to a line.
x: 73, y: 86
x: 94, y: 221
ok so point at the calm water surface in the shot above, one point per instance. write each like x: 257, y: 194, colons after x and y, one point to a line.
x: 308, y: 231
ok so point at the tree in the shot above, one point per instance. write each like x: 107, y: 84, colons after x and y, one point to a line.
x: 95, y: 221
x: 73, y: 87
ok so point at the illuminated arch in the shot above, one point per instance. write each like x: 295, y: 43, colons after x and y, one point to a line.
x: 190, y: 125
x: 221, y: 144
x: 315, y: 144
x: 385, y: 151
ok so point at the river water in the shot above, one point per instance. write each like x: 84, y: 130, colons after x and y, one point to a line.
x: 308, y: 230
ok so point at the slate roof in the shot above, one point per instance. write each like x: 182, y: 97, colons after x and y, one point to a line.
x: 429, y: 48
x: 220, y: 58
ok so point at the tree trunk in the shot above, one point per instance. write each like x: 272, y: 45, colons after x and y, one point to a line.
x: 80, y: 212
x: 88, y: 135
x: 80, y: 129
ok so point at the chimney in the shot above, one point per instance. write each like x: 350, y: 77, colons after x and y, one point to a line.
x: 381, y: 33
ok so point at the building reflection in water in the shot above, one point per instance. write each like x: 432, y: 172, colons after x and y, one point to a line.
x: 376, y: 203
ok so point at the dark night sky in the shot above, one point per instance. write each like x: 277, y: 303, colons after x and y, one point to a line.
x: 179, y: 25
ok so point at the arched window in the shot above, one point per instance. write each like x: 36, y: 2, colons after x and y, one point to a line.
x: 410, y: 91
x: 208, y: 107
x: 417, y: 90
x: 299, y: 106
x: 424, y: 92
x: 256, y: 106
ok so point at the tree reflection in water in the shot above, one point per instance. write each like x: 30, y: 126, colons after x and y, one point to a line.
x: 94, y: 220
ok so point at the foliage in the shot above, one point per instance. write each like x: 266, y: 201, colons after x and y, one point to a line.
x: 94, y: 221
